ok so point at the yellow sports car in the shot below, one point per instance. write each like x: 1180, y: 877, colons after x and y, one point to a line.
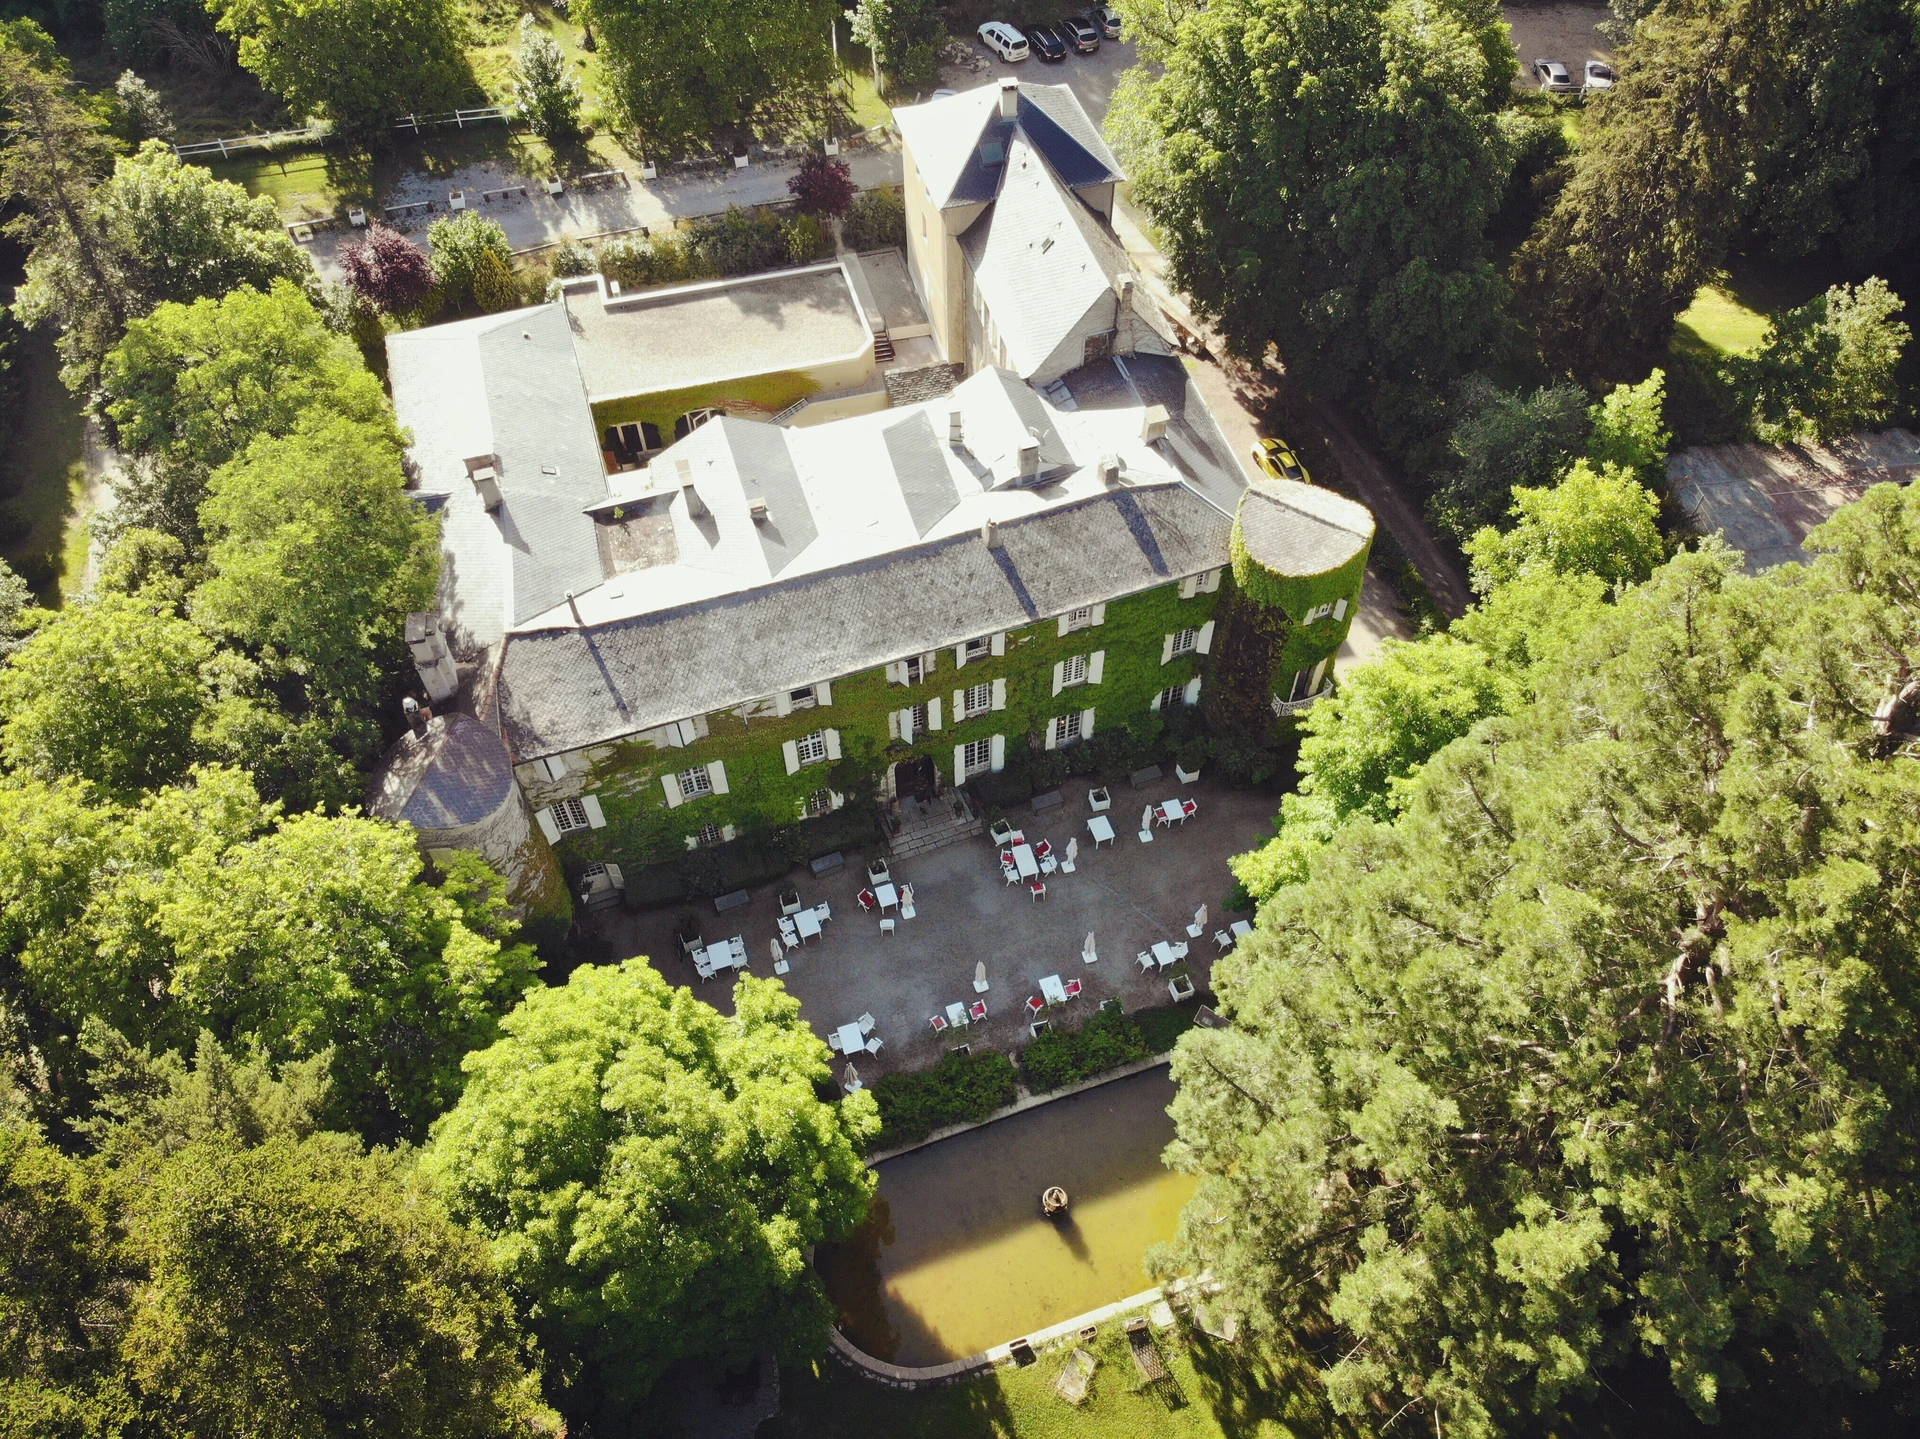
x: 1276, y: 460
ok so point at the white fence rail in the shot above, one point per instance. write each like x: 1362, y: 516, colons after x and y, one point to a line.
x: 312, y: 134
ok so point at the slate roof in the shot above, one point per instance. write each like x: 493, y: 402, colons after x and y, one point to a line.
x: 563, y: 689
x: 951, y: 140
x: 1296, y: 529
x: 457, y: 774
x: 765, y: 467
x: 1194, y: 444
x: 920, y: 465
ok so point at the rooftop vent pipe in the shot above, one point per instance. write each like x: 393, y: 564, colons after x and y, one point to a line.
x: 1029, y: 459
x: 1109, y: 469
x: 990, y: 533
x: 1153, y: 425
x: 487, y: 481
x: 757, y: 509
x: 955, y: 436
x: 1009, y: 98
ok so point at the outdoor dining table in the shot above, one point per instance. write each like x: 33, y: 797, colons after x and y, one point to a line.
x: 1171, y: 810
x: 1024, y: 861
x: 1241, y: 928
x: 888, y: 896
x: 957, y: 1015
x: 1101, y: 828
x: 1163, y: 953
x: 851, y: 1039
x: 808, y: 923
x: 1052, y: 990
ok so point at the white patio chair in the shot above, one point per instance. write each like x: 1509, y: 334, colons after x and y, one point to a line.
x: 1223, y: 939
x: 874, y: 1046
x: 1146, y: 959
x: 886, y: 926
x: 1180, y: 950
x: 866, y: 1024
x: 833, y: 1042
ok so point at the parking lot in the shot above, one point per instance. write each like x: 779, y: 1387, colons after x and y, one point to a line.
x: 1567, y: 32
x: 1093, y: 77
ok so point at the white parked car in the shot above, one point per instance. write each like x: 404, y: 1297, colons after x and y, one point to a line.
x: 1005, y: 41
x: 1600, y: 75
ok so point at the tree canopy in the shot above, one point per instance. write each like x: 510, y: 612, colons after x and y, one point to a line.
x: 1323, y: 177
x: 1596, y: 521
x: 651, y: 1172
x: 358, y: 64
x: 1604, y: 1043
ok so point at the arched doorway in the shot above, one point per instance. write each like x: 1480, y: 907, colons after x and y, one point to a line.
x: 915, y: 778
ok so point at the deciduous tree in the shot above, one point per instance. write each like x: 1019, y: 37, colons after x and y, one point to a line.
x: 823, y: 186
x: 651, y: 1173
x: 546, y: 93
x: 1597, y: 521
x: 388, y: 271
x: 1828, y: 368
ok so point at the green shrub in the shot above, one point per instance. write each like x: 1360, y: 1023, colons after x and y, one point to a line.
x: 1162, y: 1026
x: 808, y: 240
x: 571, y: 258
x: 878, y: 219
x: 738, y: 243
x: 1062, y: 1057
x: 960, y: 1089
x: 662, y: 260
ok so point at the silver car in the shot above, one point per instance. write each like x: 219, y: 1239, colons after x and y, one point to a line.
x: 1600, y: 76
x: 1553, y: 76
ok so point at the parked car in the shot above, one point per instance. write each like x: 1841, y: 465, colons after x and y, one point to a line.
x: 1553, y: 76
x: 1081, y: 33
x: 1047, y: 42
x: 943, y: 94
x: 1005, y: 41
x: 1275, y: 459
x: 1108, y: 19
x: 1600, y: 75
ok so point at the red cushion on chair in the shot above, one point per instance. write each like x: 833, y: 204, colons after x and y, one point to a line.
x: 1035, y: 1003
x: 1073, y: 989
x: 868, y: 899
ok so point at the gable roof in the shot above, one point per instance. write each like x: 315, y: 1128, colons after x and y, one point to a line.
x: 954, y: 141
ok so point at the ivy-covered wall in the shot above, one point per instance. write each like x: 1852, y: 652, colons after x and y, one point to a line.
x: 1297, y: 596
x: 626, y: 777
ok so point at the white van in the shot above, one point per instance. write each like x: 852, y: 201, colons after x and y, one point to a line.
x: 1005, y: 41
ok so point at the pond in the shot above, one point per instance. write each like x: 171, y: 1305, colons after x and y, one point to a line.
x: 955, y: 1258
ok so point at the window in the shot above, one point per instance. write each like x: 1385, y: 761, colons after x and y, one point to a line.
x: 1073, y: 671
x: 979, y: 701
x: 812, y: 747
x: 1306, y: 682
x: 1099, y: 347
x: 1066, y: 729
x: 695, y: 781
x: 593, y: 872
x: 920, y: 725
x: 977, y: 756
x: 819, y: 802
x: 916, y: 669
x: 1078, y: 619
x: 1170, y: 697
x: 710, y: 834
x: 693, y: 420
x: 977, y: 649
x: 569, y: 815
x: 803, y: 699
x: 1184, y: 642
x: 1318, y: 612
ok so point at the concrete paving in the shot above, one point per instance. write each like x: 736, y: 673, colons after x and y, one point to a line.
x: 1128, y: 893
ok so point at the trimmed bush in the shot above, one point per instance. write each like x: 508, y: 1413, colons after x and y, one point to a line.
x: 960, y: 1089
x: 1062, y: 1057
x: 1162, y: 1027
x: 877, y: 219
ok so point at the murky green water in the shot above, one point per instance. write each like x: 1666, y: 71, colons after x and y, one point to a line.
x: 955, y: 1257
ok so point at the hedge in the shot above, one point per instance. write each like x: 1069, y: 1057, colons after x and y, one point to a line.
x: 1110, y: 1039
x: 960, y: 1089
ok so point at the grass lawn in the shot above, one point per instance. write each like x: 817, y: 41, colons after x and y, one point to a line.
x: 1717, y: 323
x: 41, y: 477
x: 1212, y: 1392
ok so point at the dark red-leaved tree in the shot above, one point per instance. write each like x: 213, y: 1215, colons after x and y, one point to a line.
x: 824, y: 187
x: 388, y: 271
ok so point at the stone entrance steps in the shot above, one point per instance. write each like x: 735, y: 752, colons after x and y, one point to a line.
x: 922, y: 833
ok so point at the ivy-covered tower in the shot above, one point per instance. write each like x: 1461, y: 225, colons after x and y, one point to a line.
x: 1299, y: 555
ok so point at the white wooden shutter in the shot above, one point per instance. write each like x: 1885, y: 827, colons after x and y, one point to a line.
x: 1086, y: 724
x: 1059, y: 675
x: 693, y: 841
x: 717, y: 776
x: 792, y: 753
x: 1205, y: 641
x: 1193, y: 690
x: 933, y: 713
x: 547, y: 826
x: 595, y: 819
x: 959, y: 764
x: 1053, y: 733
x: 555, y: 766
x: 959, y: 705
x: 998, y: 644
x: 1096, y: 667
x: 1340, y: 609
x: 616, y: 876
x: 1189, y: 587
x: 1063, y: 627
x: 783, y: 703
x: 835, y: 798
x: 1154, y: 705
x: 671, y: 784
x: 833, y: 743
x: 1166, y: 649
x: 823, y: 692
x: 893, y: 723
x: 1099, y: 614
x: 727, y: 832
x: 960, y: 656
x: 903, y: 724
x: 999, y: 694
x: 1211, y: 582
x: 897, y: 673
x: 928, y: 663
x: 997, y: 753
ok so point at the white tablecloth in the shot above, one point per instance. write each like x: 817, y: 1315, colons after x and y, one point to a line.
x: 1024, y: 861
x: 1052, y: 990
x: 851, y: 1039
x: 1101, y: 828
x: 1241, y: 929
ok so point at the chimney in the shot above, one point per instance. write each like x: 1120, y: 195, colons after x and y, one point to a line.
x: 955, y: 436
x: 757, y: 509
x: 574, y: 605
x: 1109, y: 470
x: 1009, y: 98
x: 486, y: 480
x: 416, y: 721
x: 432, y: 660
x: 990, y: 532
x: 1153, y: 425
x: 1123, y: 288
x: 695, y: 505
x: 1029, y: 458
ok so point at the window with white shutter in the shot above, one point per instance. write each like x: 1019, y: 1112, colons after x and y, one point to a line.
x: 1170, y: 697
x: 1077, y: 619
x: 710, y: 834
x: 1073, y: 671
x: 695, y: 782
x: 811, y: 748
x: 1184, y: 642
x: 977, y: 700
x: 803, y: 698
x: 1066, y: 729
x: 819, y: 802
x: 976, y: 758
x: 570, y: 815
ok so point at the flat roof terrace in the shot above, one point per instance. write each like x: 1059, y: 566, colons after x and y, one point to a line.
x: 690, y: 335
